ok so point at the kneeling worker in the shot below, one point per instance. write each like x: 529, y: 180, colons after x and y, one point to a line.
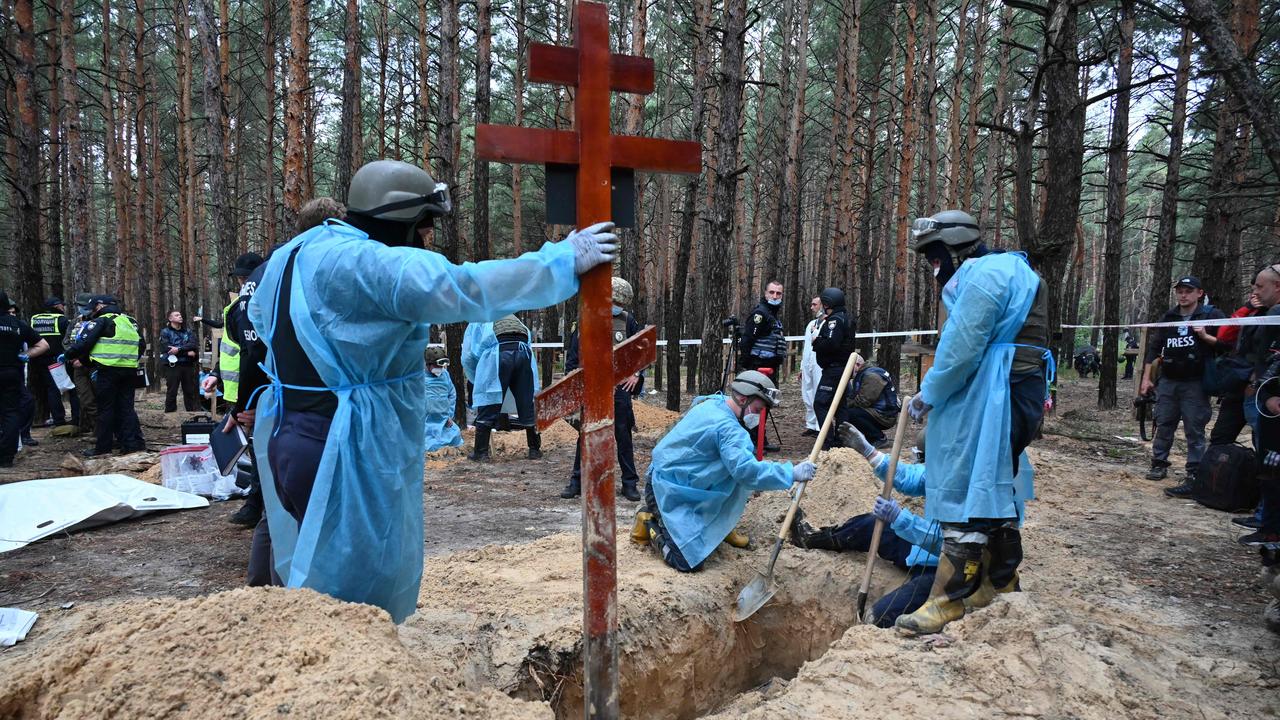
x: 908, y: 541
x: 873, y: 401
x: 705, y: 469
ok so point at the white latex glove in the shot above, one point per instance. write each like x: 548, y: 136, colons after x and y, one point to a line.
x: 592, y: 246
x: 853, y: 438
x: 803, y: 472
x: 919, y: 408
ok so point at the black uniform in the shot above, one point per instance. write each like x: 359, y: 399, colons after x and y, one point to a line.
x: 832, y: 347
x: 114, y: 387
x: 624, y: 418
x: 13, y: 334
x: 763, y: 345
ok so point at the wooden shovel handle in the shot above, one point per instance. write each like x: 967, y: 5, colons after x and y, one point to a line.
x: 898, y: 434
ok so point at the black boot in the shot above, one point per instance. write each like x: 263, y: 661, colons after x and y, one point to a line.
x: 480, y: 453
x: 30, y: 441
x: 573, y: 489
x: 630, y: 491
x: 534, y: 440
x: 249, y: 513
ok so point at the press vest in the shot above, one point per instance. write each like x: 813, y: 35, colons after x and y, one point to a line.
x: 120, y: 351
x: 229, y: 358
x: 774, y: 345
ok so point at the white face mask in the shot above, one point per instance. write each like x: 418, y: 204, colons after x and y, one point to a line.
x: 936, y: 269
x: 751, y: 420
x: 437, y: 372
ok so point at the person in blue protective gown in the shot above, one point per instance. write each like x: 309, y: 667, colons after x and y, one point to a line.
x: 438, y: 425
x: 498, y: 359
x: 984, y: 397
x: 704, y: 470
x: 908, y: 541
x: 343, y: 310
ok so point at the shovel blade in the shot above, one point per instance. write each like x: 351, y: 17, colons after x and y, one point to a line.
x: 754, y: 596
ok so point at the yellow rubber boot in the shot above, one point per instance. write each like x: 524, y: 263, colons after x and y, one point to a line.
x: 959, y: 574
x: 639, y: 532
x: 738, y: 538
x: 1000, y: 568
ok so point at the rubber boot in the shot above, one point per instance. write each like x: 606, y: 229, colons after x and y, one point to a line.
x: 630, y: 491
x: 480, y: 453
x: 738, y: 538
x: 534, y: 440
x: 640, y: 528
x: 1000, y: 568
x: 959, y: 574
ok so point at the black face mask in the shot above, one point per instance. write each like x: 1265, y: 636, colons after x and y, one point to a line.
x: 946, y: 263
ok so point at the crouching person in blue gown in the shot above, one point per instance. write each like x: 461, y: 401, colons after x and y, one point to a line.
x: 438, y: 425
x: 705, y: 469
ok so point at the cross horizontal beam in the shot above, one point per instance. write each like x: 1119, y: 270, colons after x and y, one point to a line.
x: 558, y: 65
x: 565, y: 396
x: 511, y: 144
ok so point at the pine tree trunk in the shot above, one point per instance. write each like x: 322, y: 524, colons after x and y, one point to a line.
x: 517, y: 176
x: 347, y: 162
x: 295, y: 110
x: 951, y: 178
x: 215, y: 140
x: 889, y: 358
x: 675, y: 309
x: 480, y: 170
x: 794, y: 305
x: 269, y: 210
x: 25, y: 181
x: 1117, y: 187
x: 714, y: 261
x: 77, y: 181
x: 447, y: 148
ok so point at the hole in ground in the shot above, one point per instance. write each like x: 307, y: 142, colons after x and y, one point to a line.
x: 683, y: 665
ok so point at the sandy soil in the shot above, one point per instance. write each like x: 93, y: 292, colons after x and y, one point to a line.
x: 1134, y: 605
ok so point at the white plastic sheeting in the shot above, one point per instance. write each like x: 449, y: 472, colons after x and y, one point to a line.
x: 34, y: 509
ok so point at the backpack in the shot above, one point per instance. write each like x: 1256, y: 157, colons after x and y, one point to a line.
x: 1227, y: 479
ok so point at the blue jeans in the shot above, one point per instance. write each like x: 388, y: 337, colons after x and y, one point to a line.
x: 906, y: 598
x: 663, y: 543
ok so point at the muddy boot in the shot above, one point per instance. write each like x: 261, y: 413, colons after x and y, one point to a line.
x: 959, y: 574
x: 640, y: 528
x: 480, y: 453
x: 534, y: 440
x: 630, y: 491
x: 738, y: 538
x: 573, y: 489
x: 801, y: 531
x: 1000, y: 568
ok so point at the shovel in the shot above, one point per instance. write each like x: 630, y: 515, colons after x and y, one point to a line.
x: 898, y: 434
x: 762, y: 588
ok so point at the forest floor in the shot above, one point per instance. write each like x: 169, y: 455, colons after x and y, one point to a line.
x: 1134, y: 604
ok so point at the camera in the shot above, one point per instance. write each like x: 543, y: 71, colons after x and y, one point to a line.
x: 731, y: 321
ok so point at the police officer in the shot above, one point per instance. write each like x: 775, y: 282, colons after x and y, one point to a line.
x: 112, y: 344
x: 763, y: 344
x: 14, y: 334
x: 1180, y: 396
x: 85, y: 402
x: 624, y: 418
x: 832, y: 346
x: 52, y: 326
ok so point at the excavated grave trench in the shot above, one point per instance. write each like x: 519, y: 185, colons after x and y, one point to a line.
x: 510, y: 617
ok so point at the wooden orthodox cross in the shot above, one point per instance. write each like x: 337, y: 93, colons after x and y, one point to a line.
x: 589, y: 67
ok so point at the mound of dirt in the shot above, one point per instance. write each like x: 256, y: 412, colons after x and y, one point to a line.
x: 1027, y: 655
x: 242, y: 653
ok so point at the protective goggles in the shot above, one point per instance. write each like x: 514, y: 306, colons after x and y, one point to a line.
x: 441, y: 363
x: 437, y: 203
x: 769, y: 395
x: 924, y: 226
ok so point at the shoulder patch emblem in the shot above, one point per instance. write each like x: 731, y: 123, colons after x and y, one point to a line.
x: 757, y: 318
x: 831, y: 324
x: 619, y: 337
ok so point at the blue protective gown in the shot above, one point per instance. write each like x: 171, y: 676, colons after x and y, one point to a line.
x: 361, y: 311
x: 970, y: 461
x: 703, y: 472
x: 438, y: 422
x: 925, y: 536
x: 480, y: 360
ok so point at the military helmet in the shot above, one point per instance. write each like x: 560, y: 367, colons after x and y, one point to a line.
x: 753, y: 383
x: 622, y: 292
x: 435, y: 354
x: 832, y: 297
x: 397, y: 191
x: 953, y: 228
